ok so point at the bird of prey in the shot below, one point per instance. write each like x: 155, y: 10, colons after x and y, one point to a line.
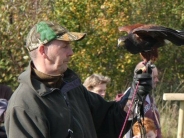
x: 147, y: 38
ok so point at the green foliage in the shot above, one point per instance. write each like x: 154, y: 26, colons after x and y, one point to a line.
x: 16, y: 19
x: 98, y: 52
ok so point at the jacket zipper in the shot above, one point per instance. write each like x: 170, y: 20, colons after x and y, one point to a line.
x: 78, y: 125
x: 66, y: 101
x: 74, y: 119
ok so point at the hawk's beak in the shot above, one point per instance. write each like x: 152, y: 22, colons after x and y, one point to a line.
x: 120, y: 42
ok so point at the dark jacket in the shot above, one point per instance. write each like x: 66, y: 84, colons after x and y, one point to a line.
x: 36, y: 111
x: 5, y: 94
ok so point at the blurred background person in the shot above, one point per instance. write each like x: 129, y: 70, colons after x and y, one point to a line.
x: 5, y: 94
x: 97, y: 83
x: 150, y: 108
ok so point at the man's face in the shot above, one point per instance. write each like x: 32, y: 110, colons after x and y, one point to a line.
x: 58, y: 55
x: 155, y: 79
x: 100, y: 89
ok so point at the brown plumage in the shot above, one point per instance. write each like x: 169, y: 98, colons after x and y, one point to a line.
x: 146, y: 39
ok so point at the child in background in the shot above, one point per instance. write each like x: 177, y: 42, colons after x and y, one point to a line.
x: 97, y: 83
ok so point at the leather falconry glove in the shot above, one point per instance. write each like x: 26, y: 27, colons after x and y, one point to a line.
x: 144, y: 82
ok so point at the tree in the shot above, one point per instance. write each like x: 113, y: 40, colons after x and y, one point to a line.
x: 98, y: 52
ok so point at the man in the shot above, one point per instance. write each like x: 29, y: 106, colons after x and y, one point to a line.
x: 150, y: 109
x: 5, y: 94
x: 97, y: 83
x: 50, y: 101
x: 3, y: 106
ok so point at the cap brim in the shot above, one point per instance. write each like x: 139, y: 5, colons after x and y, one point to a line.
x: 71, y: 36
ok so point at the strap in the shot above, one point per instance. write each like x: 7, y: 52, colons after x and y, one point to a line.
x: 153, y: 106
x: 70, y: 131
x: 142, y: 129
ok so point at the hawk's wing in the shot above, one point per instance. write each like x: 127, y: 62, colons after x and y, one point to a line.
x: 160, y: 32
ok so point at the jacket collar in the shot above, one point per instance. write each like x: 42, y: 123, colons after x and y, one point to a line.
x: 38, y: 86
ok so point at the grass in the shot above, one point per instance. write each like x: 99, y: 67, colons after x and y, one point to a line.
x: 169, y: 110
x: 169, y: 119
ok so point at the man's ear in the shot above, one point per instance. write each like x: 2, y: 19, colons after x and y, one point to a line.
x: 41, y: 50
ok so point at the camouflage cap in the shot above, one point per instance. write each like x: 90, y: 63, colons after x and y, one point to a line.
x: 44, y: 32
